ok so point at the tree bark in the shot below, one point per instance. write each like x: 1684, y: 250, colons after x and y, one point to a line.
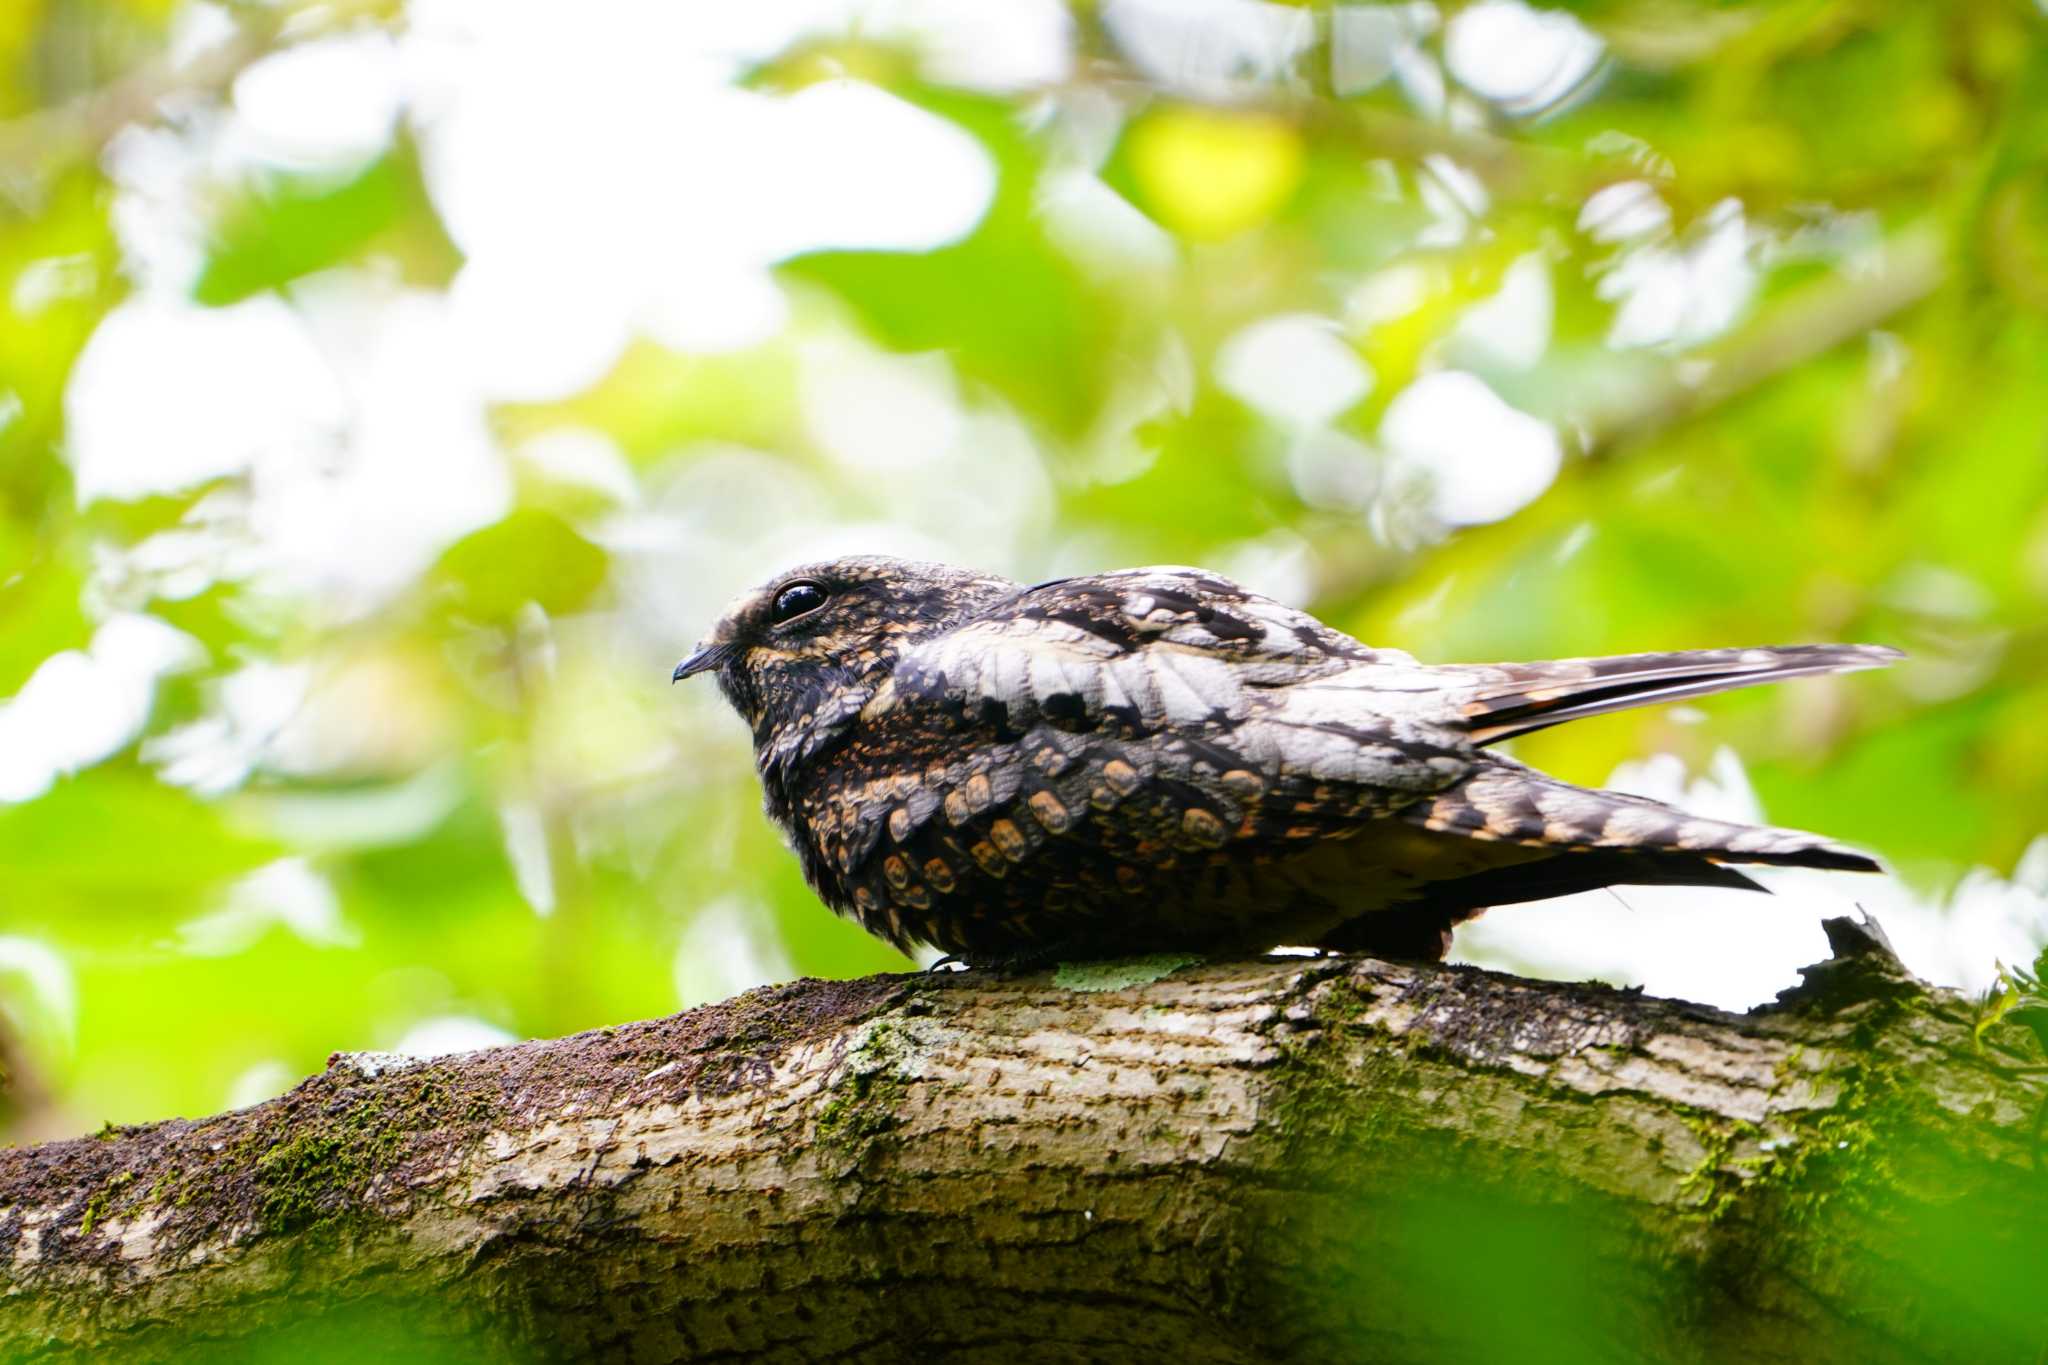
x: 1284, y: 1159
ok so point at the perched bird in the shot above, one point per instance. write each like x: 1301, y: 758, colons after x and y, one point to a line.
x: 1161, y: 759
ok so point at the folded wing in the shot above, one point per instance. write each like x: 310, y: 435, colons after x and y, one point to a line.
x: 1136, y: 652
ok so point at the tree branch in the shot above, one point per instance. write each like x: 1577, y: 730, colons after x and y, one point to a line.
x: 1793, y: 332
x: 1280, y: 1159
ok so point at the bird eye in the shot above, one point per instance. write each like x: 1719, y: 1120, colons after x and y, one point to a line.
x: 795, y: 600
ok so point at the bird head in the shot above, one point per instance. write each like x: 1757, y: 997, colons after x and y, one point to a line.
x: 794, y: 653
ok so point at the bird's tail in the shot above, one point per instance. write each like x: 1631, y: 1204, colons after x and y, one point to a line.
x: 1514, y: 699
x: 1506, y: 802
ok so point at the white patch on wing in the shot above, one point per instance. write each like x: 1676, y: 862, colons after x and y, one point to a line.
x: 1048, y: 675
x: 1112, y: 694
x: 1134, y: 671
x: 1182, y: 672
x: 1009, y: 674
x: 1365, y: 692
x: 1182, y: 700
x: 964, y: 670
x: 1218, y: 682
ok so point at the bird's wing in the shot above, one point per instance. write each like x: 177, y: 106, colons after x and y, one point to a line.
x: 1162, y: 681
x: 1500, y: 701
x: 1136, y: 651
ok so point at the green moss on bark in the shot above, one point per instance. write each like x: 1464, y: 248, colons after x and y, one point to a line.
x: 868, y: 1092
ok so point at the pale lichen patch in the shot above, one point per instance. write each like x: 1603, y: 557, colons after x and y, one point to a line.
x: 1122, y: 973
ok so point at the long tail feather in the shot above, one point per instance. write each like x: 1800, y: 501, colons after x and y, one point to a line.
x: 1507, y: 802
x: 1515, y: 699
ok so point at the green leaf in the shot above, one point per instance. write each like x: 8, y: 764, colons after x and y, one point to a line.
x: 282, y: 227
x: 2035, y: 1017
x: 1005, y: 304
x: 117, y: 835
x: 59, y: 275
x: 39, y: 611
x: 1210, y: 174
x: 530, y: 556
x: 1996, y: 1004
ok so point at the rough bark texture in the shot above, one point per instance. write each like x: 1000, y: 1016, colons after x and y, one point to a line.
x: 1282, y: 1159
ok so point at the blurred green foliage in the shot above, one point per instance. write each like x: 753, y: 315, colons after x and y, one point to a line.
x: 497, y: 811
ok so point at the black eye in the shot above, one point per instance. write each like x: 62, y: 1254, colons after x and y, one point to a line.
x: 796, y: 599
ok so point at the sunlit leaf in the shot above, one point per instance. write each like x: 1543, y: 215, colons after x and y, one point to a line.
x: 530, y: 556
x: 282, y: 226
x: 57, y: 278
x: 1210, y: 174
x: 39, y: 611
x: 119, y: 834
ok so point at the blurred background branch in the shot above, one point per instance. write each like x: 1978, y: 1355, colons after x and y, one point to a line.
x: 1797, y: 329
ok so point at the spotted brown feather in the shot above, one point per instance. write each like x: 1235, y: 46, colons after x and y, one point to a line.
x: 1160, y: 758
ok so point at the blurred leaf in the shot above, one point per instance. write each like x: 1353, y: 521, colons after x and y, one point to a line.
x: 530, y: 556
x: 407, y: 1328
x: 1210, y: 173
x: 1857, y: 797
x: 118, y: 835
x: 1005, y: 304
x: 1996, y: 1003
x: 58, y: 277
x: 39, y: 611
x: 1205, y: 464
x: 20, y: 22
x: 284, y: 226
x: 1350, y: 222
x: 2035, y: 1017
x: 656, y: 401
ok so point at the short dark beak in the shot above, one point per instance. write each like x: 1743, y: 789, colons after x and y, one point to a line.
x: 703, y: 661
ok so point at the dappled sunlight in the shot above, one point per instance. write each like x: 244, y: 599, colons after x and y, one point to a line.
x: 80, y: 706
x: 1523, y: 60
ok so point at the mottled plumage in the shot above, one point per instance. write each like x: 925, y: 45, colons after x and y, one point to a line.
x: 1159, y: 758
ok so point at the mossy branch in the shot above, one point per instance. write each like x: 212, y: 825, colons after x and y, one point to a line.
x: 1280, y: 1159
